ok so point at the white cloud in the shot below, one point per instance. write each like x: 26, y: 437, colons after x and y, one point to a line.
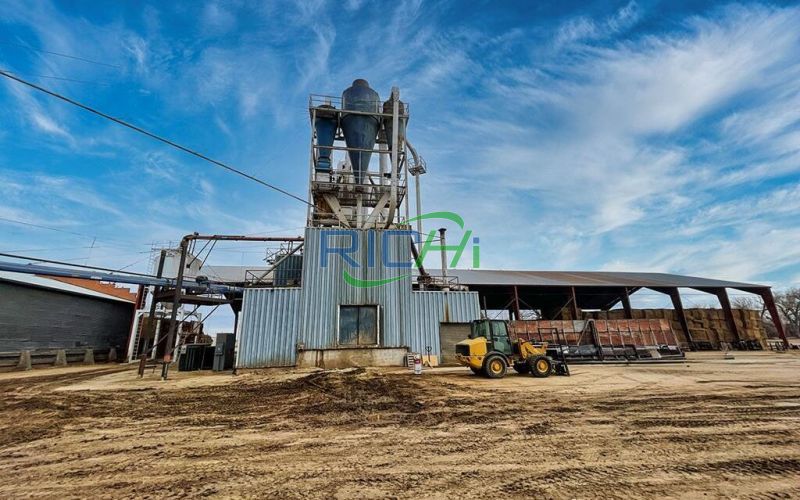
x: 585, y: 29
x: 46, y: 124
x: 217, y: 18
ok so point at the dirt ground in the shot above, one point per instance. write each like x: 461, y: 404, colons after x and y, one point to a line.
x: 709, y: 427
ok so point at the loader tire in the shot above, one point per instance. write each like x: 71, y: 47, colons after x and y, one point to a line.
x: 495, y: 367
x: 541, y: 366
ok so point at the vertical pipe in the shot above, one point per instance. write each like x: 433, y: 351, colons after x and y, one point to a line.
x: 176, y: 300
x: 311, y: 206
x: 419, y: 206
x: 358, y: 211
x: 395, y: 145
x: 407, y: 198
x: 383, y: 162
x: 443, y: 246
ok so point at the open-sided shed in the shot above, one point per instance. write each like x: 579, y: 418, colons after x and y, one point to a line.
x: 561, y: 294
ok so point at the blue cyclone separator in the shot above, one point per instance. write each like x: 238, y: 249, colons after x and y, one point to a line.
x: 360, y: 131
x: 325, y: 128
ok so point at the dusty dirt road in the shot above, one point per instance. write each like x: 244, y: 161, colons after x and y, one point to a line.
x: 709, y: 427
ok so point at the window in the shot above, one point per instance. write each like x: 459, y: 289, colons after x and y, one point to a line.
x: 500, y: 337
x: 499, y: 329
x: 480, y: 328
x: 358, y: 325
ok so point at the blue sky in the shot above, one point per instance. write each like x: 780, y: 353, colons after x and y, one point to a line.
x: 650, y: 136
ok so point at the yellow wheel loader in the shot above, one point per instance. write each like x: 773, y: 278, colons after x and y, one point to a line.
x: 489, y: 351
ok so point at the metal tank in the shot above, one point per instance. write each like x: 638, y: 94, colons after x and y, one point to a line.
x: 360, y: 131
x: 387, y: 122
x: 325, y: 127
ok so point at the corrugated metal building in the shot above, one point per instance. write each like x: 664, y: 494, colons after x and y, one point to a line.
x: 37, y: 312
x: 317, y: 314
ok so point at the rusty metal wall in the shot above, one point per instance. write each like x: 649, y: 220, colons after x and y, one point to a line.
x: 269, y: 324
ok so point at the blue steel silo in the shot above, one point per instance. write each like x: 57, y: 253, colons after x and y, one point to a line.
x: 360, y: 131
x: 325, y: 125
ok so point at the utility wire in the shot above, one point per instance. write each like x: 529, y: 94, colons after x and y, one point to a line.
x: 15, y: 221
x: 152, y: 135
x: 51, y: 77
x: 68, y: 56
x: 49, y: 228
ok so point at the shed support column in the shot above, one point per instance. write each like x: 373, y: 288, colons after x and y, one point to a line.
x: 677, y: 304
x: 573, y: 303
x: 626, y: 303
x: 722, y: 295
x: 517, y: 315
x: 769, y: 303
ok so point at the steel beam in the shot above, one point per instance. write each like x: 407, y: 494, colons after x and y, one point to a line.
x: 725, y: 302
x: 769, y: 303
x: 626, y: 303
x: 677, y: 304
x: 517, y: 314
x: 573, y: 303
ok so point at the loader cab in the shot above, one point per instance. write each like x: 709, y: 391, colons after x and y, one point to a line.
x: 496, y: 334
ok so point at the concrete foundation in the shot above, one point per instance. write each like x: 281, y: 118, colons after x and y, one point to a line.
x: 24, y: 361
x: 61, y: 358
x: 350, y: 357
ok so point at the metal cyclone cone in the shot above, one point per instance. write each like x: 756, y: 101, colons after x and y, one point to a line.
x: 360, y: 131
x: 325, y: 128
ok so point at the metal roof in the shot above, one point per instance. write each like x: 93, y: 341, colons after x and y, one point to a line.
x: 478, y: 277
x: 52, y: 284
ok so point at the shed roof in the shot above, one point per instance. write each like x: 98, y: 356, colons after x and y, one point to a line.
x: 477, y: 277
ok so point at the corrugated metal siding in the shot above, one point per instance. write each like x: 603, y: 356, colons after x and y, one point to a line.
x: 36, y: 318
x: 324, y: 288
x: 428, y: 309
x: 269, y: 326
x: 275, y: 320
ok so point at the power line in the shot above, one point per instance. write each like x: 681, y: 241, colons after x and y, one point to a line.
x: 49, y: 228
x: 15, y: 221
x: 152, y: 136
x: 73, y: 80
x: 60, y: 54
